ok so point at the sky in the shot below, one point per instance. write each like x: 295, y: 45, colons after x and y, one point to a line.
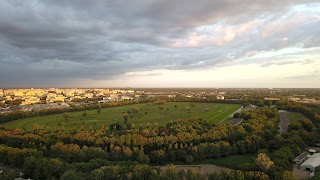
x: 160, y: 43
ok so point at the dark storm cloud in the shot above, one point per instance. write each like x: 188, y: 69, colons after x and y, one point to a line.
x: 41, y: 41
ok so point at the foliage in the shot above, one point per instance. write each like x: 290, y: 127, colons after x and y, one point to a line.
x: 66, y: 116
x: 264, y: 162
x: 125, y: 152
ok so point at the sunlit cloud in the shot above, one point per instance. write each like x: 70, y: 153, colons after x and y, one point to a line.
x: 106, y: 43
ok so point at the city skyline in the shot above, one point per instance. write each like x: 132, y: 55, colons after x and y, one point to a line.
x: 207, y: 44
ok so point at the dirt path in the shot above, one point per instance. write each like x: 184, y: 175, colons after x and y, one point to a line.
x: 299, y: 175
x: 202, y: 169
x: 284, y: 122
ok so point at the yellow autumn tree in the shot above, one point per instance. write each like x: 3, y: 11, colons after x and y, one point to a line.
x: 36, y: 127
x: 263, y: 161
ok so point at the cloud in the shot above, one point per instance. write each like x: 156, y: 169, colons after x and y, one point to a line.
x: 308, y: 61
x: 61, y: 42
x: 310, y: 76
x: 286, y: 62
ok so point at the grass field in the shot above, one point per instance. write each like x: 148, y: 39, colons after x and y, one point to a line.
x: 294, y: 116
x: 231, y: 162
x: 148, y: 113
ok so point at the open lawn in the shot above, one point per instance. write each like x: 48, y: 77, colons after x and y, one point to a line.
x: 294, y: 116
x: 231, y: 162
x: 147, y: 113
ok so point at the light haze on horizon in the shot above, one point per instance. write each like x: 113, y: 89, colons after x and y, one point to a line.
x: 160, y: 43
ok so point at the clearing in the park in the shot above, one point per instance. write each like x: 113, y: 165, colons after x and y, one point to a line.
x: 147, y: 113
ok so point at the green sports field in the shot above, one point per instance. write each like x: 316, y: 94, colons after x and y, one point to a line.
x: 294, y: 116
x: 147, y: 113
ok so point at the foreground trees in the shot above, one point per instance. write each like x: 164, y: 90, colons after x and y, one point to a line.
x: 118, y: 152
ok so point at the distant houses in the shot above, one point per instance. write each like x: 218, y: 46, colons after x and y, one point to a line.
x: 271, y: 99
x: 220, y: 97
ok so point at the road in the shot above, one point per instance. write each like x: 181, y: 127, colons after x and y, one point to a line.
x: 231, y: 115
x: 284, y: 122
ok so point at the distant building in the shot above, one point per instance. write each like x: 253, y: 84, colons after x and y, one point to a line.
x: 51, y: 97
x: 125, y: 98
x: 30, y: 100
x: 295, y: 99
x: 88, y: 95
x: 308, y: 100
x: 311, y: 163
x: 271, y: 99
x: 220, y: 97
x: 236, y: 121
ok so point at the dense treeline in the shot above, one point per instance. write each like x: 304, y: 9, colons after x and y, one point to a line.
x: 116, y: 152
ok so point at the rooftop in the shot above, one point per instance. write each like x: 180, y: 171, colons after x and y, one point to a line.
x: 236, y: 120
x: 314, y: 160
x: 302, y: 156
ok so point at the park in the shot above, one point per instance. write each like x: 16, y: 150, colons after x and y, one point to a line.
x: 137, y: 114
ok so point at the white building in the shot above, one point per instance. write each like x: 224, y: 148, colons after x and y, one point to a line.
x: 130, y: 91
x: 51, y: 97
x: 294, y: 99
x: 114, y: 97
x: 220, y: 97
x: 125, y: 98
x: 311, y: 163
x: 88, y: 95
x: 30, y: 100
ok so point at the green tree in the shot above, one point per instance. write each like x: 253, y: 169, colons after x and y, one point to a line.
x: 43, y: 168
x: 307, y: 124
x: 71, y: 175
x: 8, y: 175
x: 189, y: 159
x: 84, y: 114
x: 316, y: 174
x: 99, y: 110
x: 135, y: 110
x: 170, y: 172
x: 66, y: 116
x: 125, y: 117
